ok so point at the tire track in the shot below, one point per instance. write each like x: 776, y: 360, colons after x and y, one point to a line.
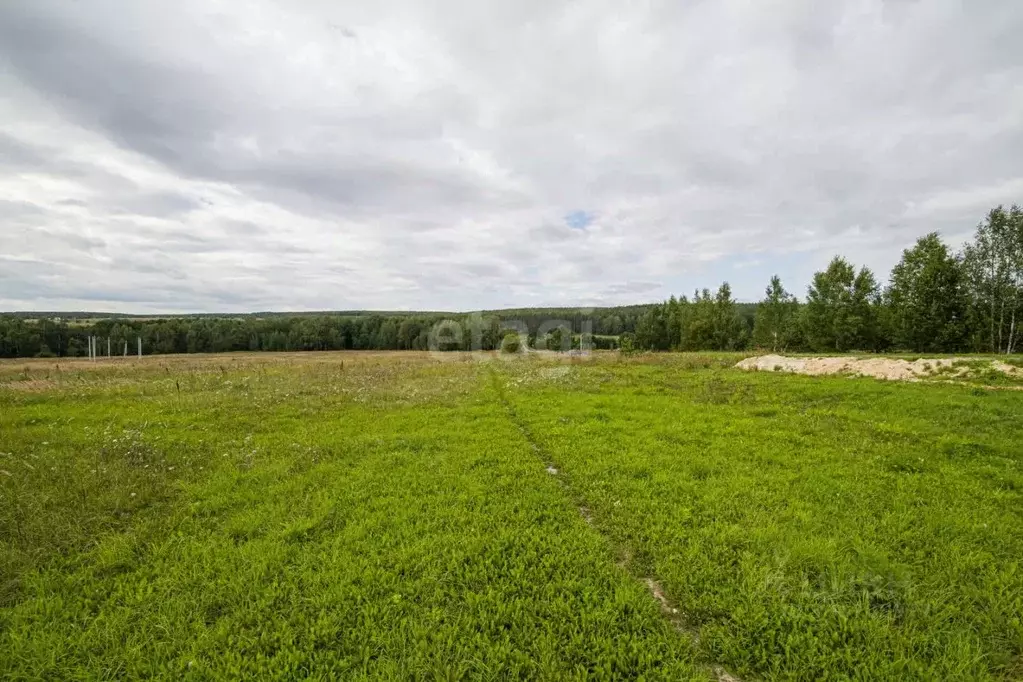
x: 669, y: 609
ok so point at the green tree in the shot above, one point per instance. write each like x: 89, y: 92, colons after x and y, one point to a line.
x: 511, y: 343
x: 865, y: 312
x: 76, y: 347
x: 712, y: 322
x: 406, y: 332
x: 728, y: 332
x: 627, y: 342
x: 387, y: 335
x: 554, y: 339
x: 652, y: 330
x: 776, y: 322
x: 698, y: 324
x: 841, y: 310
x: 993, y: 269
x: 674, y: 314
x: 926, y: 308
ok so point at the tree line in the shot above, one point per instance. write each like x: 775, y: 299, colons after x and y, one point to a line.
x: 936, y: 300
x: 55, y: 335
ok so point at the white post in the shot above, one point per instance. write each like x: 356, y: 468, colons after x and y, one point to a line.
x: 108, y: 348
x: 140, y: 348
x: 126, y: 348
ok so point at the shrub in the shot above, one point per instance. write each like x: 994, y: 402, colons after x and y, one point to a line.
x: 511, y: 343
x: 627, y: 342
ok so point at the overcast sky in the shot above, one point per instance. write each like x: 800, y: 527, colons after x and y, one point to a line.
x: 198, y: 155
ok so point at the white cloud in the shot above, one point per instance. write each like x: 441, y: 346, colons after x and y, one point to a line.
x: 972, y: 200
x: 216, y: 156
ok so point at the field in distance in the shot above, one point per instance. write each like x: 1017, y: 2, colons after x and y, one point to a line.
x: 412, y: 516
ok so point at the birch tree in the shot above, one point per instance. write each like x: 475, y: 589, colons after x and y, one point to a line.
x: 776, y: 317
x: 993, y: 264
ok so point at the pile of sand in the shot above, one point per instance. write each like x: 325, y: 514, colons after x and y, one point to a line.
x: 1011, y: 370
x: 880, y: 368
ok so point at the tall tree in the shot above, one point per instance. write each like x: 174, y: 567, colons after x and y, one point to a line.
x: 652, y: 329
x: 712, y: 322
x: 728, y: 328
x: 925, y: 299
x: 775, y: 325
x: 864, y: 319
x: 993, y: 267
x: 841, y: 310
x: 675, y: 313
x: 698, y: 324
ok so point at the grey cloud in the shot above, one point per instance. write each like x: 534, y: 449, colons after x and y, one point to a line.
x: 51, y: 282
x: 157, y: 204
x: 14, y: 210
x: 15, y: 154
x: 185, y: 118
x: 19, y: 156
x: 155, y: 107
x: 175, y: 241
x: 243, y: 228
x: 404, y: 154
x: 72, y: 238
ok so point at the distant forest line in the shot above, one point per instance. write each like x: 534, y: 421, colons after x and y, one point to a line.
x: 936, y: 300
x: 41, y: 334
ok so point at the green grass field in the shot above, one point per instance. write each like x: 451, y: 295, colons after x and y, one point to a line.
x: 399, y: 516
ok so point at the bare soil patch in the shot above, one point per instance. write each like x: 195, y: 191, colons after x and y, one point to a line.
x: 892, y: 369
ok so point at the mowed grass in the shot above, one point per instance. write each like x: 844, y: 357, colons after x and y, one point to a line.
x: 400, y: 516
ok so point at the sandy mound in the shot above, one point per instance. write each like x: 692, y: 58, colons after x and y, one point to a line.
x: 880, y: 368
x: 1011, y: 370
